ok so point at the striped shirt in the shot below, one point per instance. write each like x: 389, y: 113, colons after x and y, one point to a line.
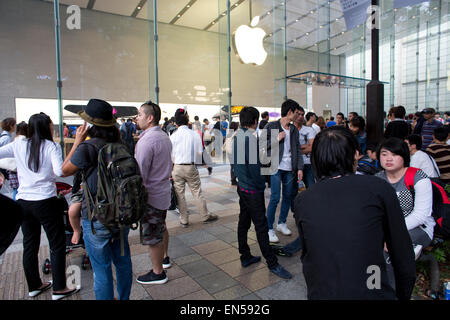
x: 427, y: 132
x: 441, y: 153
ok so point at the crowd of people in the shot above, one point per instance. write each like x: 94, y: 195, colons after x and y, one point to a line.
x: 309, y: 164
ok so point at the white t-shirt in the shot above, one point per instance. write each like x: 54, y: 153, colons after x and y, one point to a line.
x: 316, y: 128
x: 35, y: 186
x: 422, y: 161
x: 305, y: 134
x: 285, y: 163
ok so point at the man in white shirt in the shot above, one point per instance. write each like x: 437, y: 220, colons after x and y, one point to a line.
x: 420, y: 159
x: 311, y: 119
x: 306, y: 136
x: 187, y: 150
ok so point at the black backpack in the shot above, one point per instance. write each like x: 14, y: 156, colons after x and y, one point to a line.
x: 121, y: 198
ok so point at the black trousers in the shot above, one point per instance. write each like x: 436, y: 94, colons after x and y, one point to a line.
x: 48, y: 214
x: 253, y: 209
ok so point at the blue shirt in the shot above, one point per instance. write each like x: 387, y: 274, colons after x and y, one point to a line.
x: 331, y: 123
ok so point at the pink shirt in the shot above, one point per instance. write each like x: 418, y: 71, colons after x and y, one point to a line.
x: 153, y: 154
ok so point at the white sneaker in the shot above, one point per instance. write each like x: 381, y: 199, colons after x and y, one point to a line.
x: 283, y: 229
x: 272, y: 236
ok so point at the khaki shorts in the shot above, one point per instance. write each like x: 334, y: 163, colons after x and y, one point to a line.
x: 153, y: 226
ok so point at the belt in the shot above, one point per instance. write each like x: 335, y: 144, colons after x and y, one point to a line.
x: 184, y: 164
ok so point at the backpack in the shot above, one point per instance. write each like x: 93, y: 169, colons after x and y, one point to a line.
x: 441, y: 203
x: 121, y: 198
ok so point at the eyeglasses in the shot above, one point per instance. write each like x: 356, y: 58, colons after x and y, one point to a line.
x: 155, y: 107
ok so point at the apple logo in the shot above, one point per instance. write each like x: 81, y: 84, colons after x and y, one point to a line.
x: 248, y: 43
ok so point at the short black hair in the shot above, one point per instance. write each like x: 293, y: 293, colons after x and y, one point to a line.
x: 332, y: 118
x: 333, y: 152
x: 153, y: 109
x: 396, y: 146
x: 447, y: 113
x: 181, y: 117
x: 265, y: 114
x: 289, y: 105
x: 204, y: 120
x: 196, y: 118
x: 309, y: 115
x: 22, y: 129
x: 248, y: 116
x: 441, y: 133
x: 355, y: 114
x: 399, y: 112
x: 358, y: 122
x: 371, y: 146
x: 415, y: 139
x: 340, y: 114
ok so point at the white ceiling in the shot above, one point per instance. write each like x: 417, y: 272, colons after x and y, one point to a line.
x: 304, y: 18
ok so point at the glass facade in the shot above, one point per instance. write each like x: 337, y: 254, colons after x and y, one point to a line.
x: 183, y: 53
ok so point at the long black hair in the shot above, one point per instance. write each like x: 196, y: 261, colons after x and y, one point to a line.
x: 109, y: 134
x: 38, y: 131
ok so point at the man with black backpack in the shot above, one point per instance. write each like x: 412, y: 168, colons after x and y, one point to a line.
x: 153, y: 154
x: 114, y: 197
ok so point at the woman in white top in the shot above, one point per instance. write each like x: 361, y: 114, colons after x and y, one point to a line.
x: 39, y: 161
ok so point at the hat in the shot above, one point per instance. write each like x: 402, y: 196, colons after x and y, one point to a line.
x: 428, y: 110
x: 99, y: 113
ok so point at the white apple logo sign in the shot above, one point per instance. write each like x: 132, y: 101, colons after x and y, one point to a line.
x: 248, y: 43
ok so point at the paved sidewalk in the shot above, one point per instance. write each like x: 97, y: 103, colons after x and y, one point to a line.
x: 205, y: 257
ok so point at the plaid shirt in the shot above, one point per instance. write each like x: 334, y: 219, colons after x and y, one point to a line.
x: 13, y: 180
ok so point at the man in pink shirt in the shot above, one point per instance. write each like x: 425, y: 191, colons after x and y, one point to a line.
x: 153, y: 154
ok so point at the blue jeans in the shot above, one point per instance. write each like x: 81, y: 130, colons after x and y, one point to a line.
x: 102, y: 251
x: 285, y: 179
x: 308, y: 176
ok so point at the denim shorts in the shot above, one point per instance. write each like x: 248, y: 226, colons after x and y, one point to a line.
x: 153, y: 226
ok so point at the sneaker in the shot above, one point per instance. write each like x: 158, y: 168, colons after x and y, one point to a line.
x: 37, y: 292
x: 166, y: 263
x: 246, y: 262
x: 211, y: 217
x: 279, y: 250
x: 272, y: 236
x: 59, y: 296
x: 283, y: 229
x: 152, y: 278
x: 281, y: 272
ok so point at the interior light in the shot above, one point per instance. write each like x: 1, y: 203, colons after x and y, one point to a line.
x: 139, y: 8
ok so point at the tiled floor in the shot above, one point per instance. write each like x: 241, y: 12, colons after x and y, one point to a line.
x: 205, y: 258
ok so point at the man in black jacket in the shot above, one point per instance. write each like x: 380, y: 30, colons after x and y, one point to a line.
x: 247, y: 169
x: 286, y: 164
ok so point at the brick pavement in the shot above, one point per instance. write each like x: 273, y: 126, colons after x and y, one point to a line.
x: 205, y: 258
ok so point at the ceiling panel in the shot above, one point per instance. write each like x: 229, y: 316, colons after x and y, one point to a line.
x: 125, y: 8
x: 200, y: 15
x: 168, y: 9
x: 80, y: 3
